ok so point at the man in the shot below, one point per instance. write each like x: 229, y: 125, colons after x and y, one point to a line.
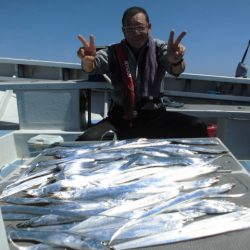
x: 136, y: 67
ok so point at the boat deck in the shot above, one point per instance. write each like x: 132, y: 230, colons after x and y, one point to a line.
x: 46, y: 101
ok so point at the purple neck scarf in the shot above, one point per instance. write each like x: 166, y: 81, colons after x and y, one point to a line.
x: 149, y: 74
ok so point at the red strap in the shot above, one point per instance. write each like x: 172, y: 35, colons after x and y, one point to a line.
x: 128, y: 82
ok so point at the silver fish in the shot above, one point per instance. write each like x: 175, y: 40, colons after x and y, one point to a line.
x: 139, y: 143
x: 149, y: 161
x: 50, y: 188
x: 49, y: 219
x: 198, y: 229
x: 216, y: 206
x: 208, y: 206
x: 116, y: 191
x: 30, y: 201
x: 199, y: 183
x: 197, y: 194
x: 25, y: 185
x: 33, y: 246
x: 42, y: 172
x: 56, y: 239
x: 124, y: 211
x: 157, y: 224
x: 35, y: 210
x: 195, y: 141
x: 15, y: 216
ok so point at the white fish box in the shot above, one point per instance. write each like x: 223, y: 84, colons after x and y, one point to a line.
x: 42, y: 141
x: 49, y: 109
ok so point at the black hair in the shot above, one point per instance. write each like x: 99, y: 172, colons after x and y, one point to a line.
x: 133, y: 11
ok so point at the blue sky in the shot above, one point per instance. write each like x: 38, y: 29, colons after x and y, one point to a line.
x: 218, y: 30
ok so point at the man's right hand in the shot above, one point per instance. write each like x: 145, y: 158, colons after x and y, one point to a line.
x: 87, y: 53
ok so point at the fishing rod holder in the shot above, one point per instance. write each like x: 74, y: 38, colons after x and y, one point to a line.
x: 241, y: 70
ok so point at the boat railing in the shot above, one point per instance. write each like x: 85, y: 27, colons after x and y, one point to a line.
x: 193, y: 88
x: 65, y: 99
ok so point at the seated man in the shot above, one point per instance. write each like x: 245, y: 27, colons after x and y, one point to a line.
x: 136, y: 67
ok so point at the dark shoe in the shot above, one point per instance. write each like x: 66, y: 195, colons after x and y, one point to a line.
x: 171, y: 103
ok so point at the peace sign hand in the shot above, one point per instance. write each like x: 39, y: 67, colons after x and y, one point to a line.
x: 87, y: 53
x: 175, y: 49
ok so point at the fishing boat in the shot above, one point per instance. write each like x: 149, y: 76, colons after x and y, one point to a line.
x: 44, y: 102
x: 56, y: 96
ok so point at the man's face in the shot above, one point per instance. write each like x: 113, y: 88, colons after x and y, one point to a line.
x: 136, y: 30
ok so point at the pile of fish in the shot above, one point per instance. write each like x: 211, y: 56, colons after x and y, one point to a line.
x: 121, y: 195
